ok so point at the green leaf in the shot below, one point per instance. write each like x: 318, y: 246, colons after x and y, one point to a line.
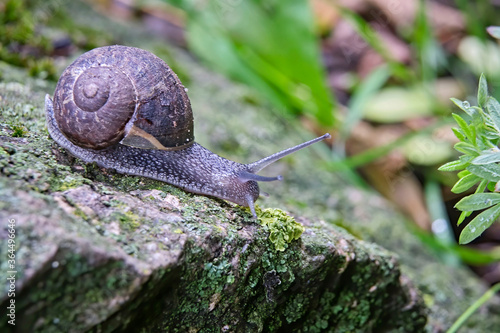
x: 473, y: 134
x: 466, y: 148
x: 490, y: 172
x: 487, y: 157
x: 478, y: 201
x: 479, y: 118
x: 482, y: 91
x: 489, y: 137
x: 463, y: 125
x: 453, y: 166
x: 479, y: 224
x: 463, y: 173
x: 465, y: 183
x: 459, y: 134
x: 475, y: 111
x: 493, y: 108
x: 462, y: 217
x: 464, y: 105
x: 482, y: 186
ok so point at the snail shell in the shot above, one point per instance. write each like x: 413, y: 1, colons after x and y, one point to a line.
x: 119, y: 92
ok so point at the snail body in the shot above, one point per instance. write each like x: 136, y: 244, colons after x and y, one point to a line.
x: 124, y: 108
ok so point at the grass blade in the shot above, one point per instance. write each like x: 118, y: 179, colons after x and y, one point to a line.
x: 473, y: 308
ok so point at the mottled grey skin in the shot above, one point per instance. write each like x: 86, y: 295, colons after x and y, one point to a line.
x: 194, y: 169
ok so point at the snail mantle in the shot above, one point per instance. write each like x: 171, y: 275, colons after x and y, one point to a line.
x: 125, y: 109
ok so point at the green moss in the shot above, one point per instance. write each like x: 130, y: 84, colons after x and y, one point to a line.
x: 4, y: 154
x: 78, y: 212
x: 283, y: 229
x: 128, y: 220
x: 296, y: 308
x: 68, y: 182
x: 24, y: 44
x: 31, y: 162
x: 19, y: 131
x: 109, y: 280
x: 43, y: 68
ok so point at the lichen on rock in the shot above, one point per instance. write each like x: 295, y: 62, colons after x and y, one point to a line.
x: 283, y: 229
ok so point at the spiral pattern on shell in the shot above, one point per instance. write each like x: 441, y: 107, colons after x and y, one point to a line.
x: 106, y: 91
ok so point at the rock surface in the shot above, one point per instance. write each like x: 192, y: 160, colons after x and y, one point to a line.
x: 101, y: 251
x: 92, y: 257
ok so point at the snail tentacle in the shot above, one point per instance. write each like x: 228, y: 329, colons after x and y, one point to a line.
x: 262, y: 163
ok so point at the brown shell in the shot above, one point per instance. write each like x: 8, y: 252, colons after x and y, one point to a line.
x: 111, y: 91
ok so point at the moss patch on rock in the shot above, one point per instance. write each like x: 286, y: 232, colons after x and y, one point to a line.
x: 283, y: 229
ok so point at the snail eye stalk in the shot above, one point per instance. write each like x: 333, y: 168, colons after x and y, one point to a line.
x: 261, y: 164
x: 253, y: 168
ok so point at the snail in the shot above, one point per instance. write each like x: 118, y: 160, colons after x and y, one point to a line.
x: 125, y: 109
